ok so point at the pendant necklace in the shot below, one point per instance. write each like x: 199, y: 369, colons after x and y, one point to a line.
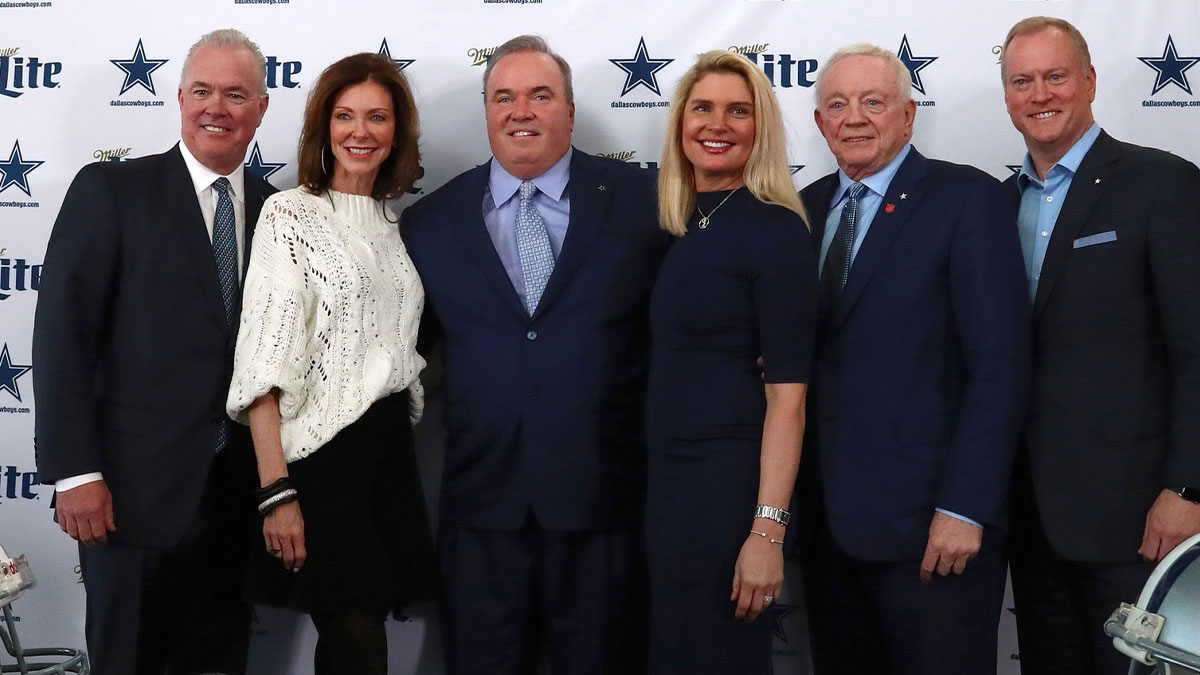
x: 705, y: 219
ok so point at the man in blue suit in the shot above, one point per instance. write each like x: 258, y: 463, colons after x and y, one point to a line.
x: 133, y: 343
x: 538, y: 268
x: 922, y: 369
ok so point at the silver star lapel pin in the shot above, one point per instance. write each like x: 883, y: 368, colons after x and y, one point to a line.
x: 602, y: 188
x: 1097, y: 181
x: 903, y: 195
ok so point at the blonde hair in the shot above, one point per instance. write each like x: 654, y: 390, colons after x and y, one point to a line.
x: 1037, y: 24
x: 766, y: 174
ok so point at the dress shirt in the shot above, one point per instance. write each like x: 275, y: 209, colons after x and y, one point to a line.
x: 501, y: 203
x: 1041, y: 202
x: 202, y: 179
x: 868, y: 205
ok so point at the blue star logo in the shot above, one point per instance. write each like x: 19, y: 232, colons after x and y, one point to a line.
x: 10, y: 372
x: 138, y: 69
x: 15, y: 171
x: 795, y: 168
x: 1171, y: 67
x: 778, y: 612
x: 641, y: 69
x: 1015, y: 168
x: 400, y: 63
x: 914, y: 63
x: 258, y: 167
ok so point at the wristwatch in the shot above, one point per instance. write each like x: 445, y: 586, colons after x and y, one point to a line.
x: 1189, y: 493
x: 777, y: 514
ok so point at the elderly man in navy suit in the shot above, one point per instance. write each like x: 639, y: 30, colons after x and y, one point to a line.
x: 538, y: 267
x: 133, y: 347
x: 1108, y: 479
x: 922, y: 370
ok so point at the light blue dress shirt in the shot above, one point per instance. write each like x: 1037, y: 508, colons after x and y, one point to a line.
x: 1041, y: 202
x: 500, y: 205
x: 868, y: 204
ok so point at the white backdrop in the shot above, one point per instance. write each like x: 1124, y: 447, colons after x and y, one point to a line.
x: 88, y: 80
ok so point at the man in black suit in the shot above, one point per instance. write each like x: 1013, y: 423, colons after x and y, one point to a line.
x: 544, y: 379
x: 1107, y: 479
x: 133, y: 348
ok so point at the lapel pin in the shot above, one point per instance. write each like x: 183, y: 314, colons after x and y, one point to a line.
x: 889, y: 208
x: 903, y: 195
x: 1097, y: 181
x: 602, y: 188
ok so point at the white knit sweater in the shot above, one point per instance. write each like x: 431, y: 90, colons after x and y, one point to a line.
x: 329, y: 316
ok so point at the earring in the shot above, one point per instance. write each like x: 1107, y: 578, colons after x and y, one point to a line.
x: 323, y: 169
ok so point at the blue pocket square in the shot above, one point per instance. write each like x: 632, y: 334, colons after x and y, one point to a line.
x: 1102, y: 238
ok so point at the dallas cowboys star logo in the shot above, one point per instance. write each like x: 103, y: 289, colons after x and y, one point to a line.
x: 138, y: 69
x: 641, y: 69
x: 1171, y: 67
x: 795, y: 168
x: 258, y: 167
x: 15, y: 171
x: 914, y: 63
x: 400, y: 63
x: 778, y: 612
x: 9, y: 373
x: 1015, y: 168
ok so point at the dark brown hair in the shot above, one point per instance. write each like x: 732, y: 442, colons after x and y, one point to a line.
x: 401, y: 168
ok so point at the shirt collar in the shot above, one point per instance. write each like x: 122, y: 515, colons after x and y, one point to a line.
x: 552, y: 183
x: 203, y: 177
x: 1069, y: 161
x: 877, y: 182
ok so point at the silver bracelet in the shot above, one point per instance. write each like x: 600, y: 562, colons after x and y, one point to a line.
x: 773, y: 513
x: 288, y: 495
x: 773, y: 540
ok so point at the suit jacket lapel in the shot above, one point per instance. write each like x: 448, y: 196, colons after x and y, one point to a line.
x: 187, y: 224
x: 590, y: 199
x: 467, y: 218
x: 903, y: 196
x: 1087, y: 186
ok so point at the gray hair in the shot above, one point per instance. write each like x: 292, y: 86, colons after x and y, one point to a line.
x: 529, y: 43
x: 899, y: 70
x: 228, y: 38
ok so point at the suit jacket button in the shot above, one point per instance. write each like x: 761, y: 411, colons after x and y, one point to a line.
x: 531, y: 335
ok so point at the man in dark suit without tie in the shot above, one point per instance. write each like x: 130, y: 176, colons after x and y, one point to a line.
x: 1108, y: 478
x: 921, y: 374
x: 133, y: 348
x: 537, y: 269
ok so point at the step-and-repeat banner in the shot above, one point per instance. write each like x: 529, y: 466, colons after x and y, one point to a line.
x: 95, y: 80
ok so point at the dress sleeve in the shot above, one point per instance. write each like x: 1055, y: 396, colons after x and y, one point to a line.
x: 785, y: 291
x: 276, y: 320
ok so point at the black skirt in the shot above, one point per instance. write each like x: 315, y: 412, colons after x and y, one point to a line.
x: 366, y: 528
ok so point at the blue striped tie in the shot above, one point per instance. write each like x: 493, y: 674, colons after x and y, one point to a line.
x: 224, y: 242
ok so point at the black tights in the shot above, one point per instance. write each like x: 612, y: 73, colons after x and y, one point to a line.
x: 351, y: 642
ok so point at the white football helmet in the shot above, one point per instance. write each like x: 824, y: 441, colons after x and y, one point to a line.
x: 15, y: 579
x: 1163, y: 628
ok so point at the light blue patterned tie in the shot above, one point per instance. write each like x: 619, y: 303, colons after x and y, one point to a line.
x: 533, y: 246
x: 224, y: 242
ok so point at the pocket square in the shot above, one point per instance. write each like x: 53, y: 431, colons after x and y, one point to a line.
x: 1092, y: 240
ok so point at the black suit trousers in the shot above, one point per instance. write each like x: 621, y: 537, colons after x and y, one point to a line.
x: 176, y: 611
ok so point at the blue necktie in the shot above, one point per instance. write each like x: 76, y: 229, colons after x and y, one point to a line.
x: 840, y: 249
x: 533, y: 246
x: 224, y: 242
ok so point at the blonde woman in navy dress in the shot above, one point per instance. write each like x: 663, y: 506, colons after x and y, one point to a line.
x: 739, y: 282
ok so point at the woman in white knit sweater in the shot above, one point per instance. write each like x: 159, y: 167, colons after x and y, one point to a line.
x: 326, y: 368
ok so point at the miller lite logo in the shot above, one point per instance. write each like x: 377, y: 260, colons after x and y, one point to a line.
x: 18, y: 73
